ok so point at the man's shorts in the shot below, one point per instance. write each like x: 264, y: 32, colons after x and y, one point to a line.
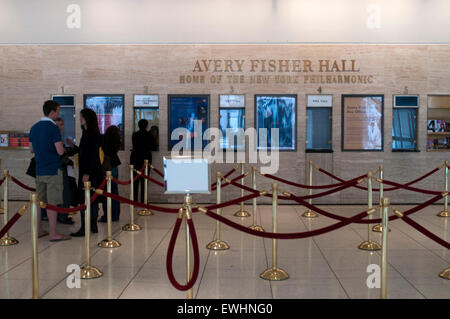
x: 49, y: 188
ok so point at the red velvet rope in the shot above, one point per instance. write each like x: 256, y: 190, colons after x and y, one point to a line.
x: 368, y: 221
x: 154, y: 181
x: 285, y: 235
x: 141, y: 205
x: 128, y: 181
x: 157, y: 171
x: 426, y: 232
x: 10, y: 223
x: 338, y: 189
x: 1, y: 181
x: 385, y: 189
x: 308, y: 186
x: 169, y: 257
x: 231, y: 202
x: 22, y: 185
x: 214, y: 185
x: 413, y: 189
x: 77, y: 208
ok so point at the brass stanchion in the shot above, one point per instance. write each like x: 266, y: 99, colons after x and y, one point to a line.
x: 445, y: 274
x: 109, y: 242
x: 379, y: 227
x: 254, y: 226
x: 145, y: 211
x: 131, y: 226
x: 445, y: 212
x: 309, y: 213
x: 189, y: 269
x: 385, y: 218
x: 218, y: 244
x: 274, y: 273
x: 88, y: 271
x: 241, y: 212
x: 369, y: 244
x: 6, y: 240
x: 34, y: 247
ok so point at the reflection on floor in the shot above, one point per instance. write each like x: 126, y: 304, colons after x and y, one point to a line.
x: 326, y: 266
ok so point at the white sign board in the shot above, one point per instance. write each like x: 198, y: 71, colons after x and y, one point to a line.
x: 146, y: 100
x: 183, y: 174
x: 319, y: 100
x: 232, y: 100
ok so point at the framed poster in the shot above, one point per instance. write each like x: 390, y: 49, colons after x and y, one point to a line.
x: 277, y: 111
x: 183, y: 111
x: 109, y: 109
x: 362, y: 122
x: 232, y: 120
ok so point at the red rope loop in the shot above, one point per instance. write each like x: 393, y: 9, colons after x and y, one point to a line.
x: 115, y: 180
x: 309, y: 186
x: 1, y: 181
x: 425, y: 232
x: 141, y: 205
x: 214, y: 185
x: 299, y: 235
x: 77, y: 208
x: 157, y: 171
x: 154, y: 181
x: 169, y: 257
x: 386, y: 189
x: 28, y: 188
x: 12, y: 221
x: 413, y: 189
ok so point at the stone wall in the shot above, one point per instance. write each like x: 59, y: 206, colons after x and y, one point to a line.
x: 30, y: 74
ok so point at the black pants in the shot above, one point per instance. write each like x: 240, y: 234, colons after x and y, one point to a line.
x: 94, y: 215
x: 140, y: 181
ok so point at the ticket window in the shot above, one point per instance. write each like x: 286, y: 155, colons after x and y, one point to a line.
x: 318, y: 128
x: 404, y: 123
x: 147, y: 107
x: 67, y: 113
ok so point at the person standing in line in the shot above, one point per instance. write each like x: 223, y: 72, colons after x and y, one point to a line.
x: 111, y: 145
x: 69, y: 183
x: 143, y: 144
x: 47, y: 146
x: 90, y: 168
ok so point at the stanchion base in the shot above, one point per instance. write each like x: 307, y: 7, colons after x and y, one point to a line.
x: 8, y: 241
x: 90, y: 272
x: 218, y: 245
x: 242, y: 213
x: 370, y: 245
x: 256, y: 227
x: 145, y: 212
x: 444, y: 213
x: 105, y: 243
x: 445, y: 274
x: 379, y: 228
x: 274, y: 274
x: 310, y: 214
x: 131, y: 227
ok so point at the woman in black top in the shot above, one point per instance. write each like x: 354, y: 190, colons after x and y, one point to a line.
x: 111, y: 145
x: 90, y: 168
x: 143, y: 145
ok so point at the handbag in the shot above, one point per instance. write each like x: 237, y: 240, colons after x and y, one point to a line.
x: 31, y: 170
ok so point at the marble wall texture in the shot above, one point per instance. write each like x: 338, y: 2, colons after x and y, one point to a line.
x: 30, y: 74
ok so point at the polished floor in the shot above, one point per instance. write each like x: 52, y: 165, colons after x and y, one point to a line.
x: 326, y: 266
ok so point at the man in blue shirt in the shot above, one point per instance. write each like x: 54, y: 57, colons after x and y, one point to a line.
x: 46, y: 144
